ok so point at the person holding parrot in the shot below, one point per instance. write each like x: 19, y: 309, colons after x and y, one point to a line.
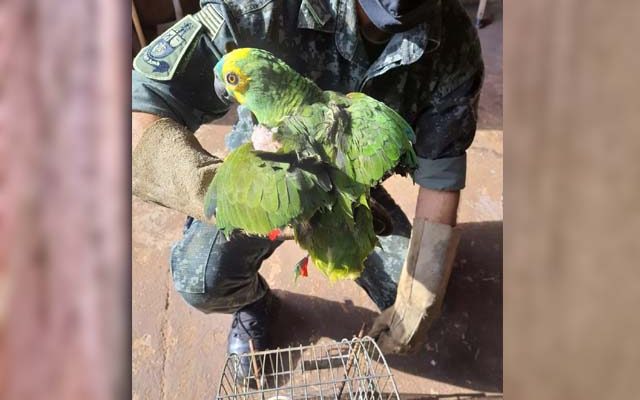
x: 411, y: 72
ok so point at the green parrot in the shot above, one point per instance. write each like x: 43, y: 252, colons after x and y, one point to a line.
x: 311, y: 162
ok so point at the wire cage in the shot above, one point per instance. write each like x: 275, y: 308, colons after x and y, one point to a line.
x: 349, y: 369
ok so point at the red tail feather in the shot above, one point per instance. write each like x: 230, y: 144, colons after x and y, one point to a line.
x: 273, y: 235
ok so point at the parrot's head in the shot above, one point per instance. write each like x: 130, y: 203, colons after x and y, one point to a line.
x: 263, y: 83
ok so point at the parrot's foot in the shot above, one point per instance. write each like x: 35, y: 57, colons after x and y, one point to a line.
x: 251, y: 324
x: 262, y: 139
x: 382, y: 222
x: 379, y: 203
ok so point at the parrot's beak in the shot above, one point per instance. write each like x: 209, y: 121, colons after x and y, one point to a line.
x: 221, y: 91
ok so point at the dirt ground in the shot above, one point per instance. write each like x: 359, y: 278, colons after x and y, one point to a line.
x: 179, y: 352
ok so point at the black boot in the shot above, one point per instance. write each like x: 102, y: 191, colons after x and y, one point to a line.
x: 250, y: 323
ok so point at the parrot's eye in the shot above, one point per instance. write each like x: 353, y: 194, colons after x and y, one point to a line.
x: 232, y: 78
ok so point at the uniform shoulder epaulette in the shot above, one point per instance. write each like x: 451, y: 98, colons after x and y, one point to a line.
x: 211, y: 19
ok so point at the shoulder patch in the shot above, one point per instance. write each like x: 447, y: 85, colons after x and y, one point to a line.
x: 160, y: 59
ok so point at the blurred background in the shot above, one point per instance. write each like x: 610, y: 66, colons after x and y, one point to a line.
x: 152, y: 17
x: 571, y: 248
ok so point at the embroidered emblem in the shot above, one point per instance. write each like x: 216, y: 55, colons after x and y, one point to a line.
x: 160, y: 59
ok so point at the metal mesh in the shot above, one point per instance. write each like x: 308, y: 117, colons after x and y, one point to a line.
x: 350, y: 369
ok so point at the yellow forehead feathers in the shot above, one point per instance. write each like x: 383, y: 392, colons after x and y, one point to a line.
x: 237, y: 54
x: 230, y: 66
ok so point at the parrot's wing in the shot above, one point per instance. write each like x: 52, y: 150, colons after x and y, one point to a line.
x: 256, y: 194
x: 379, y: 141
x: 320, y: 132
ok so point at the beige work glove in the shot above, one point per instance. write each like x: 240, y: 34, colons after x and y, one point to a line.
x: 170, y: 168
x: 402, y: 328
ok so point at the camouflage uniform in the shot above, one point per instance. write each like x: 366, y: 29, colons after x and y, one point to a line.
x: 431, y: 75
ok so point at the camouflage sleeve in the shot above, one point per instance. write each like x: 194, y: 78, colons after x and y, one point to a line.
x: 173, y: 76
x: 446, y: 125
x: 444, y: 131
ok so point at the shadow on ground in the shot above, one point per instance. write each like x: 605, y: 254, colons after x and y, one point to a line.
x: 465, y: 344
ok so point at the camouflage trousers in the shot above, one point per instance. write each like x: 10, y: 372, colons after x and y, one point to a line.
x: 219, y: 275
